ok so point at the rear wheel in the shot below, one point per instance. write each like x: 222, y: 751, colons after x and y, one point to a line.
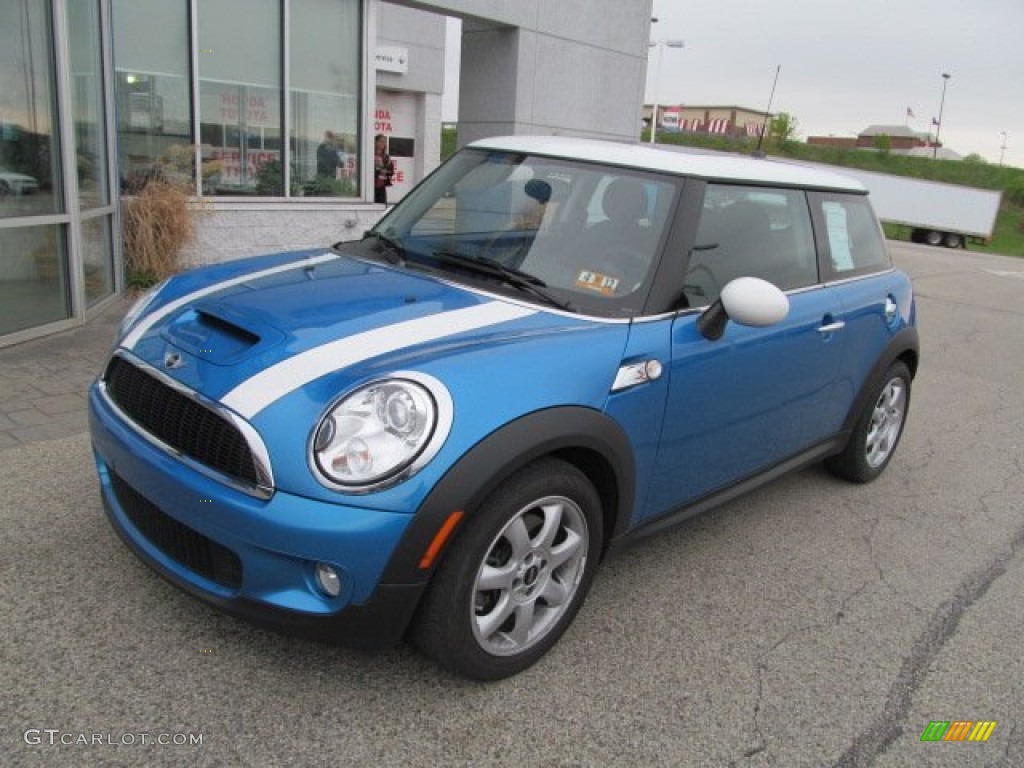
x: 953, y: 240
x: 515, y: 577
x: 933, y: 237
x: 878, y: 429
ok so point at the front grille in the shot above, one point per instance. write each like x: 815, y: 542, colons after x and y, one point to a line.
x: 185, y: 546
x: 179, y: 421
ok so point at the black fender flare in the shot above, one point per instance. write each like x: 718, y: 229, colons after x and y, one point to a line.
x: 580, y: 435
x: 904, y: 344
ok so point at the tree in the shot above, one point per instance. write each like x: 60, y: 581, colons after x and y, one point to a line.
x: 782, y: 128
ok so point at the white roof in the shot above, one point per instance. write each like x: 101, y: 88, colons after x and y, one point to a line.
x: 718, y: 166
x: 903, y: 131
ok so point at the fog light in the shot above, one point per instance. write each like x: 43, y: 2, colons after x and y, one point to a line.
x: 328, y: 580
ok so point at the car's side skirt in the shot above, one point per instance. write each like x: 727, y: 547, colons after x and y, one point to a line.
x: 833, y: 445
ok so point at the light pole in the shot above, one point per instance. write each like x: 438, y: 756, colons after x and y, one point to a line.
x: 938, y: 124
x: 659, y: 44
x: 1002, y: 149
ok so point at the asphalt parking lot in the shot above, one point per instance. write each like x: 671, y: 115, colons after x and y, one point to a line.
x: 813, y: 623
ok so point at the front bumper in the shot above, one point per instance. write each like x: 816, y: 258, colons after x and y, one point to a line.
x: 251, y: 557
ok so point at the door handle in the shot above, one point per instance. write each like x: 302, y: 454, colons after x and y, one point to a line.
x: 832, y: 327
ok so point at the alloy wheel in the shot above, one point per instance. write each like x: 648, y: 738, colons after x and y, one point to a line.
x: 886, y: 422
x: 529, y: 575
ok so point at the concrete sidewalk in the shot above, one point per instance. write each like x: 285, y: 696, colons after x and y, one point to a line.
x: 44, y: 383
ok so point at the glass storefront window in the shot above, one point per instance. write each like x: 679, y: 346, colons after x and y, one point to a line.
x: 88, y: 114
x: 33, y: 277
x: 48, y: 252
x: 151, y: 62
x: 97, y: 259
x: 240, y: 87
x: 240, y: 96
x: 324, y: 135
x: 29, y: 148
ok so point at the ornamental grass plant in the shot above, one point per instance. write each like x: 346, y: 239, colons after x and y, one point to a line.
x: 157, y: 224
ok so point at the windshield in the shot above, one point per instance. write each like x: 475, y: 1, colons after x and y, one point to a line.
x: 585, y: 235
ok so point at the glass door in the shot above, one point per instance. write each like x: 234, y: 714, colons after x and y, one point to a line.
x: 34, y: 275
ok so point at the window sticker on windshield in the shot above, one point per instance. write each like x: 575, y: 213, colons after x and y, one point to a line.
x: 595, y: 281
x: 838, y: 235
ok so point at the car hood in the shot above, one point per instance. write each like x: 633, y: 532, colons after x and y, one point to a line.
x: 12, y: 176
x: 248, y: 339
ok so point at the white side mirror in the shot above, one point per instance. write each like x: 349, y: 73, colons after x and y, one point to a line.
x: 747, y: 301
x: 753, y: 301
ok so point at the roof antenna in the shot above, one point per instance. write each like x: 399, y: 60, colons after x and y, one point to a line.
x: 764, y: 125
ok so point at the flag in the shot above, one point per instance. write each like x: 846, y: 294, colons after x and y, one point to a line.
x: 910, y: 114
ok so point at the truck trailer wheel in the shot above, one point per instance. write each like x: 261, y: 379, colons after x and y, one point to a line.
x: 933, y: 237
x: 953, y: 240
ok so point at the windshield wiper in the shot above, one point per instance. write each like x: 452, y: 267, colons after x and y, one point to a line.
x: 524, y: 281
x: 394, y: 245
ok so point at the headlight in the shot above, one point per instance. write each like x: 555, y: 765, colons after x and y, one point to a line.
x: 382, y: 432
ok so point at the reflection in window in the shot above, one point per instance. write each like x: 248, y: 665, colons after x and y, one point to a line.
x: 29, y: 156
x: 152, y: 90
x: 33, y: 277
x: 325, y: 37
x: 240, y: 142
x: 240, y: 96
x: 97, y: 259
x: 87, y: 93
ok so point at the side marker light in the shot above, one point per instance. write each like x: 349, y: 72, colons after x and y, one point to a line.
x: 440, y: 538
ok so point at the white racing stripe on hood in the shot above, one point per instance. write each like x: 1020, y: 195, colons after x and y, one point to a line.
x: 147, y: 322
x: 253, y: 395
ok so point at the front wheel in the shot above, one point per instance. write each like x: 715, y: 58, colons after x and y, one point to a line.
x: 515, y: 577
x: 877, y: 431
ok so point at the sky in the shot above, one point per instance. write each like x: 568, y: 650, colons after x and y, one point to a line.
x: 847, y: 64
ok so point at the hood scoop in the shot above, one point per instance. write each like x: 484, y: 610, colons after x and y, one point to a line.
x: 226, y: 328
x: 212, y: 334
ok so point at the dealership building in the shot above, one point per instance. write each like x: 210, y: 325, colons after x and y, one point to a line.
x: 266, y: 111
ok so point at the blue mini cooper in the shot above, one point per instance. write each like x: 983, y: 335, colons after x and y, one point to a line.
x: 549, y: 348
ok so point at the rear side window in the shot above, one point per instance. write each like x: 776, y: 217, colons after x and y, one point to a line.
x: 750, y: 232
x: 850, y: 235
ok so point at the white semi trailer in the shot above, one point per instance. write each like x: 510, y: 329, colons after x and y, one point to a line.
x: 937, y: 213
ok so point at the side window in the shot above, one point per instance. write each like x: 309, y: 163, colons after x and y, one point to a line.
x: 750, y: 232
x: 854, y: 239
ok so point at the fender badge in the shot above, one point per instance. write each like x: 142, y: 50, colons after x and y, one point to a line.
x: 631, y: 374
x: 173, y: 360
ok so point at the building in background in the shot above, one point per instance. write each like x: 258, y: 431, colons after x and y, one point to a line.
x: 721, y: 120
x: 266, y: 110
x: 896, y: 139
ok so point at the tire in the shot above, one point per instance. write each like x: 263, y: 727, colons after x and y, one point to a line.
x: 515, y: 576
x: 878, y: 429
x: 953, y: 240
x: 933, y: 237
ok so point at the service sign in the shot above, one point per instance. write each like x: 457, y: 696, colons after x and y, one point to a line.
x: 392, y: 58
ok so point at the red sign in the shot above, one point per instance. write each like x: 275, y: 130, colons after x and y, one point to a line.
x: 231, y: 162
